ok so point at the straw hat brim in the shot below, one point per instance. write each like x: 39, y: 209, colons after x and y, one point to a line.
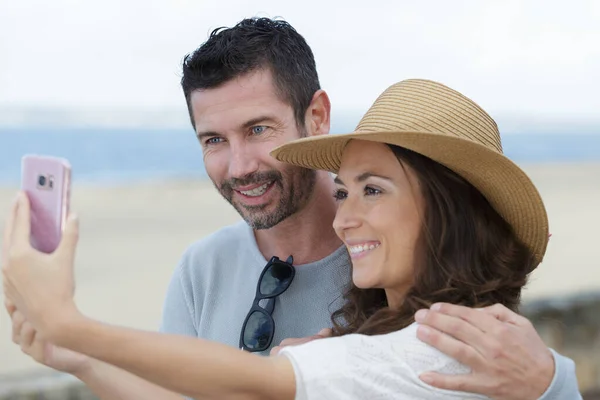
x: 508, y: 189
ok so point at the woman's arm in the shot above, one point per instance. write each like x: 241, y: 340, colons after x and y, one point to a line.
x: 191, y: 366
x: 41, y: 286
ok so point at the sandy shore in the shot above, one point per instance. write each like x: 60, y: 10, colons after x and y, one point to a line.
x: 132, y: 238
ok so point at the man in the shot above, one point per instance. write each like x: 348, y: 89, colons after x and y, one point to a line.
x: 249, y: 89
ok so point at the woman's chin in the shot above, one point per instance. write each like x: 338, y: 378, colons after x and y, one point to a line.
x: 363, y: 282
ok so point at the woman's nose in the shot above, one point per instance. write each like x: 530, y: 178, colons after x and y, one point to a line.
x: 348, y: 215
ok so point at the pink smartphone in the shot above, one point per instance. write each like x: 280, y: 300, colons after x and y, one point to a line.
x: 47, y: 182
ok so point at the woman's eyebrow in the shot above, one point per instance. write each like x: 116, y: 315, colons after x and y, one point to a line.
x: 363, y: 177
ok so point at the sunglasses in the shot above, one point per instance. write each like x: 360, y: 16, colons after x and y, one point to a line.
x: 259, y: 327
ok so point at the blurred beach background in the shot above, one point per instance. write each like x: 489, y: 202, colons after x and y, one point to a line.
x: 98, y: 83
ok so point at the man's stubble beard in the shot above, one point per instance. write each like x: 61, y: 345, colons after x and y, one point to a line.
x: 294, y: 193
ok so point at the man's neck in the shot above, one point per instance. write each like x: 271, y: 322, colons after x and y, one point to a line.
x: 308, y: 235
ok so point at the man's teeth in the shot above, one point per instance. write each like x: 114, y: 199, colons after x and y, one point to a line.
x: 257, y: 191
x: 362, y: 247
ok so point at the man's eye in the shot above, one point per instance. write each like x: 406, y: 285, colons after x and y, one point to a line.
x: 257, y: 130
x: 213, y: 140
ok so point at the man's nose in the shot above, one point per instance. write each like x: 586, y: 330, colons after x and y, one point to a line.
x: 243, y: 162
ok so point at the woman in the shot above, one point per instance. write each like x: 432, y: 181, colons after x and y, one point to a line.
x: 430, y: 210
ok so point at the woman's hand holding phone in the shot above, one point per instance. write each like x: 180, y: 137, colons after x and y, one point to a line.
x: 40, y: 285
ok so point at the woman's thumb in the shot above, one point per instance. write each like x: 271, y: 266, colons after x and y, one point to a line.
x: 70, y: 236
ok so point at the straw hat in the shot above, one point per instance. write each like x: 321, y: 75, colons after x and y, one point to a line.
x: 445, y: 126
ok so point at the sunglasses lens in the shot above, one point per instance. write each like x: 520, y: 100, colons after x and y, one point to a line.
x: 258, y: 331
x: 276, y: 279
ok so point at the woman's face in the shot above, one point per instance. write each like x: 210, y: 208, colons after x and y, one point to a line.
x: 379, y: 217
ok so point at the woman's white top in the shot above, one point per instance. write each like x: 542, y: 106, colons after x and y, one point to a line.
x: 371, y: 367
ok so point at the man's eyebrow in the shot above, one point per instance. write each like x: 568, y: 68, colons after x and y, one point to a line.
x: 203, y: 135
x: 363, y: 177
x: 246, y: 125
x: 258, y: 120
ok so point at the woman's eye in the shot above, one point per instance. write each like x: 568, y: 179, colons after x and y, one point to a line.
x: 339, y: 195
x: 257, y: 130
x: 369, y: 191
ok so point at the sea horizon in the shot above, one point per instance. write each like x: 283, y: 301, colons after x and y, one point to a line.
x: 128, y: 155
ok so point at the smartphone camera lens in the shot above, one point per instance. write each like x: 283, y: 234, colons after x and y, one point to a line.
x: 42, y: 180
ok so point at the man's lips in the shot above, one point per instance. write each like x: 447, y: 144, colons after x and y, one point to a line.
x: 255, y: 190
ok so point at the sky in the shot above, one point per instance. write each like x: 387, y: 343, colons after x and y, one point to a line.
x: 535, y: 58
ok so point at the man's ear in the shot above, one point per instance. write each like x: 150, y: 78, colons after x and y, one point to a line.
x: 318, y: 114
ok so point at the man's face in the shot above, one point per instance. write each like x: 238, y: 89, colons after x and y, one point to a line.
x: 238, y: 124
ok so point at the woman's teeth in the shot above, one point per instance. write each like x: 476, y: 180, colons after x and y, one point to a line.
x: 362, y: 248
x: 257, y: 191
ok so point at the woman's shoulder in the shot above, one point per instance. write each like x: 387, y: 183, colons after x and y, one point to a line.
x: 420, y: 356
x: 360, y: 366
x: 398, y: 347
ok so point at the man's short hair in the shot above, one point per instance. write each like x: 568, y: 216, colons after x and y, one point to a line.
x: 251, y: 45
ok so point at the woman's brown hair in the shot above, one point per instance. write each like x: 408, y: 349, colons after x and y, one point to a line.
x: 470, y: 257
